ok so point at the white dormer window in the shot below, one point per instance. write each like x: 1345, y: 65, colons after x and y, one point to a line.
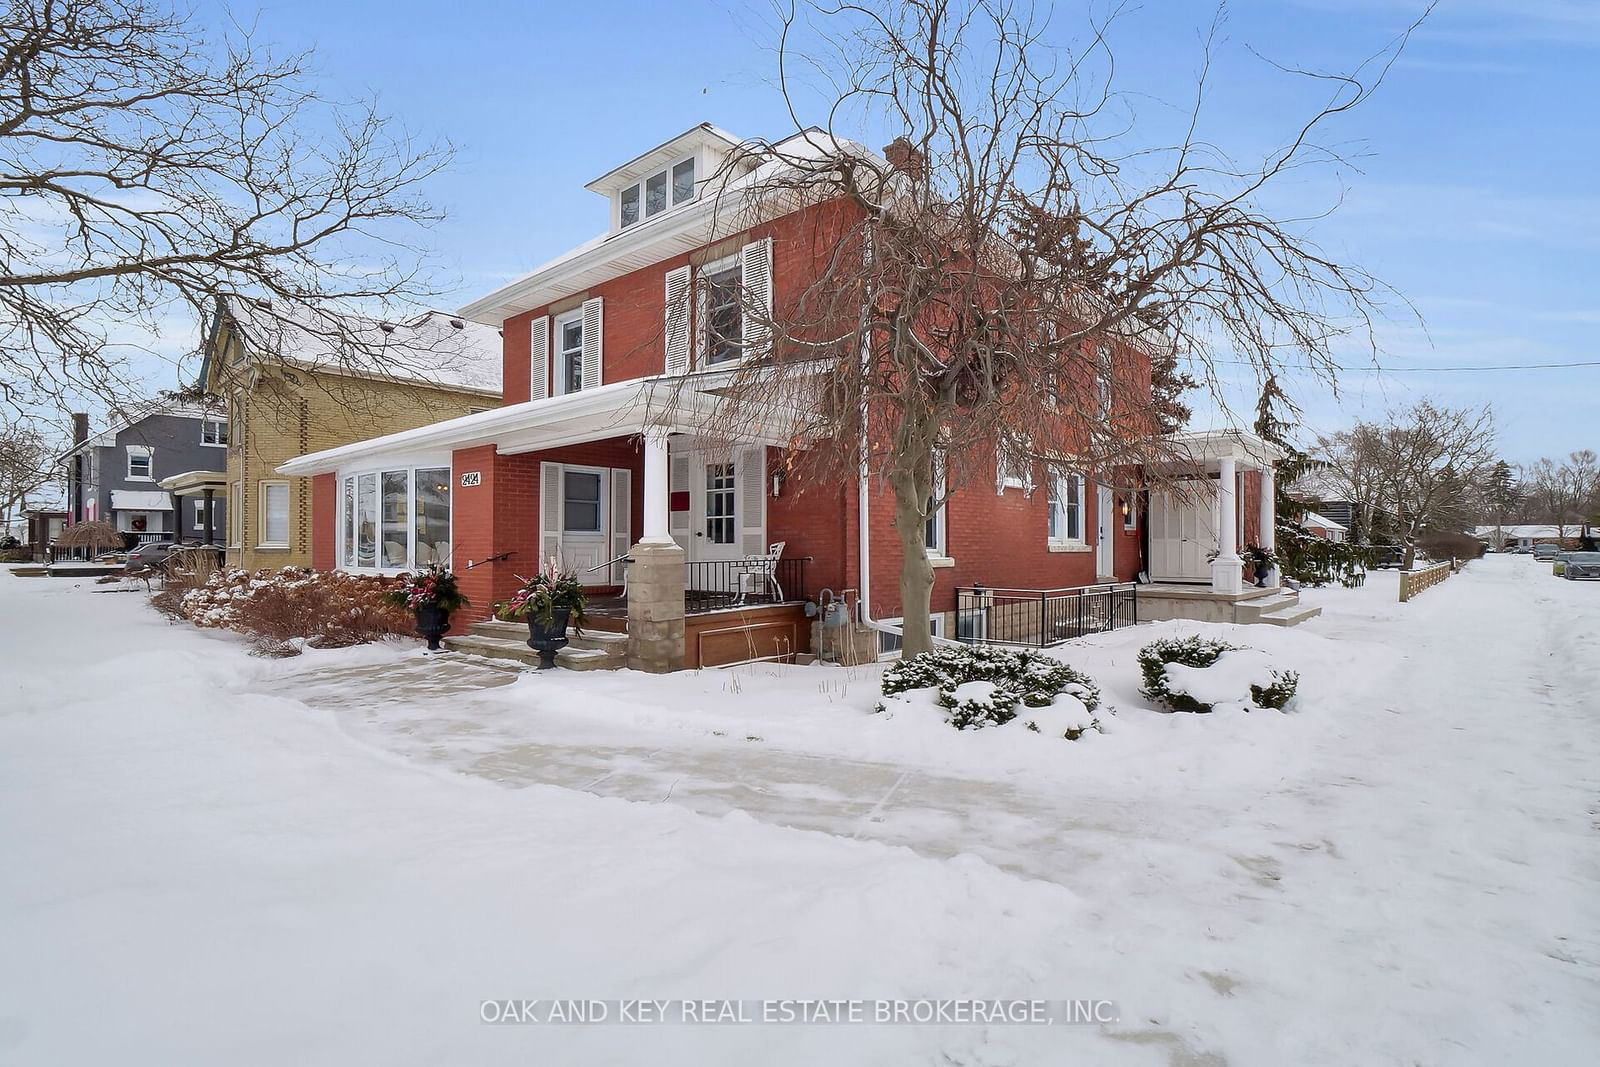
x: 656, y: 192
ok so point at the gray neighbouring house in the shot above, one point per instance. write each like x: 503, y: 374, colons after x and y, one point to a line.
x: 115, y: 475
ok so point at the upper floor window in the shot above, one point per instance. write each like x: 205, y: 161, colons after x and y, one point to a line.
x: 724, y: 317
x: 140, y: 462
x: 569, y: 353
x: 214, y: 432
x: 648, y: 198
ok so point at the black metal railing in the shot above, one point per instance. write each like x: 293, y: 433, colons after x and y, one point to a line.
x: 76, y: 553
x: 709, y: 585
x: 1039, y: 618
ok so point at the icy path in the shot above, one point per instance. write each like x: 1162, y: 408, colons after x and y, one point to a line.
x: 1404, y: 871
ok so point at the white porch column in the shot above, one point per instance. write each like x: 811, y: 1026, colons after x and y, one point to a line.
x: 1226, y: 569
x: 657, y: 497
x: 1269, y: 508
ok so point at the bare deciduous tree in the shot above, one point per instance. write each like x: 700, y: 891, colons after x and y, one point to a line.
x: 1565, y: 492
x: 147, y: 169
x: 1420, y: 464
x: 1004, y: 276
x: 27, y: 466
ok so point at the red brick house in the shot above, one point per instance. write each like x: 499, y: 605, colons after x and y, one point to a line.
x: 595, y: 456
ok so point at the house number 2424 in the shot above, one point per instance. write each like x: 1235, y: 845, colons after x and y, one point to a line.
x: 471, y: 478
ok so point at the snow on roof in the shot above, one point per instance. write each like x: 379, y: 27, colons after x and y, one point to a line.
x: 681, y: 229
x: 1529, y: 530
x: 140, y: 500
x: 427, y: 347
x: 1322, y: 522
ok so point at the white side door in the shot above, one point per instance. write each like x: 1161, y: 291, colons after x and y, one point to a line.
x: 1182, y: 533
x: 715, y: 507
x: 1104, y: 546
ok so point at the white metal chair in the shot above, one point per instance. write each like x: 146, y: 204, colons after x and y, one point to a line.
x: 761, y: 574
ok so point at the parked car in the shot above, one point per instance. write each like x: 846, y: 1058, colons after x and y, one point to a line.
x: 1545, y: 553
x: 1582, y: 566
x: 1558, y: 563
x: 1522, y: 550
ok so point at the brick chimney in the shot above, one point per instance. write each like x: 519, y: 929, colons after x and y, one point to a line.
x: 904, y: 157
x: 80, y: 427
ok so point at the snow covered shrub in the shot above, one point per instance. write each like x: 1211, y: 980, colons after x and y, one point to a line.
x: 1200, y: 674
x: 982, y: 686
x: 283, y: 608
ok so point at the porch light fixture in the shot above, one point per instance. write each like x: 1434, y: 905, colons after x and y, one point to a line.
x: 778, y: 478
x: 1127, y: 507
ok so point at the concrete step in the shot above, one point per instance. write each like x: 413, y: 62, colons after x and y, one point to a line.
x: 518, y: 631
x: 1289, y: 616
x: 571, y: 657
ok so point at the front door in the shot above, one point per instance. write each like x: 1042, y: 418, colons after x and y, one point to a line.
x: 1105, y: 564
x: 1183, y: 531
x: 715, y: 508
x: 583, y: 522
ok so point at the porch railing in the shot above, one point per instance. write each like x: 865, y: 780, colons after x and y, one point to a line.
x: 76, y: 553
x: 1039, y: 618
x: 726, y: 583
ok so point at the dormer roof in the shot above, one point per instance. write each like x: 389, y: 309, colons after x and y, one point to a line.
x: 687, y: 143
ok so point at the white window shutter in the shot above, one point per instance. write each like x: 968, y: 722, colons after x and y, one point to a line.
x: 539, y: 362
x: 677, y: 326
x: 680, y: 479
x: 551, y: 498
x: 756, y: 276
x: 752, y: 474
x: 593, y: 341
x: 621, y: 518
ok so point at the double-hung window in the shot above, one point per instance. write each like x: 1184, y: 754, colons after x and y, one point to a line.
x: 667, y: 187
x: 723, y: 284
x: 274, y: 532
x: 569, y: 353
x: 214, y: 432
x: 141, y: 465
x: 1066, y: 509
x: 935, y: 534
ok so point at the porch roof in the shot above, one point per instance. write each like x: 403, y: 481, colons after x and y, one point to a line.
x: 1245, y: 448
x: 661, y: 404
x: 194, y: 483
x: 140, y: 500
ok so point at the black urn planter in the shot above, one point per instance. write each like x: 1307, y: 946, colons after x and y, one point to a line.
x: 433, y: 622
x: 547, y: 640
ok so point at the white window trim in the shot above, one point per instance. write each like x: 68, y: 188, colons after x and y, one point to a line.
x: 643, y: 179
x: 236, y: 515
x: 212, y: 421
x: 559, y: 354
x: 150, y: 460
x: 410, y: 467
x: 935, y: 630
x: 1066, y: 542
x: 200, y: 512
x: 939, y: 552
x: 703, y: 331
x: 261, y: 513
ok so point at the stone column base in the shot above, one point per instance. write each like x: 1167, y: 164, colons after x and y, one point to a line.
x: 1227, y: 574
x: 655, y: 607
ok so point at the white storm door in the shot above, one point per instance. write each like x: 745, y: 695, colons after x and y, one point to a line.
x: 1104, y: 546
x: 585, y: 538
x: 715, y: 520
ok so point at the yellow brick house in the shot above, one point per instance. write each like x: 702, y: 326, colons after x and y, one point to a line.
x: 301, y: 383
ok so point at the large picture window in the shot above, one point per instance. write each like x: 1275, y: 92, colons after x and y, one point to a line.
x: 395, y: 520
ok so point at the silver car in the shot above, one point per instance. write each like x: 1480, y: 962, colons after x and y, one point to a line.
x: 1582, y: 566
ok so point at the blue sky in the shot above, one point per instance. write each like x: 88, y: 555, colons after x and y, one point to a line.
x: 1473, y: 189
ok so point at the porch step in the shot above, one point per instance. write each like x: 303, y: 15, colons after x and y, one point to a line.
x: 570, y: 657
x: 596, y: 640
x: 1289, y: 616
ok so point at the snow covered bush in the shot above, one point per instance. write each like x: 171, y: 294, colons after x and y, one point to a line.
x: 1200, y: 674
x: 283, y: 609
x: 981, y: 686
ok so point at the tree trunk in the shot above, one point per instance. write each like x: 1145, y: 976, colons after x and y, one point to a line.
x: 916, y: 573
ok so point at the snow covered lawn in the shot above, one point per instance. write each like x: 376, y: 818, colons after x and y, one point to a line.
x: 211, y: 858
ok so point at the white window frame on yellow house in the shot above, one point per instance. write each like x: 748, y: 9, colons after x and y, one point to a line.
x: 264, y: 491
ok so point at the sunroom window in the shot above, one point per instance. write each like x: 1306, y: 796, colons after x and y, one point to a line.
x: 395, y: 519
